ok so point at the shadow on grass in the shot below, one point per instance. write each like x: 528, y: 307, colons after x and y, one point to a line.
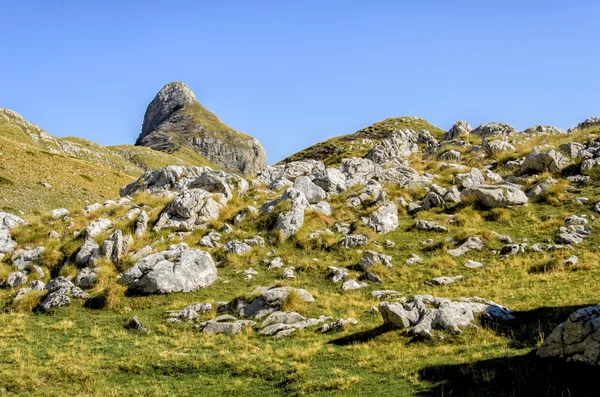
x: 360, y: 337
x: 526, y: 375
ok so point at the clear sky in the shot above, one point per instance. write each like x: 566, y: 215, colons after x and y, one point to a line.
x: 293, y: 73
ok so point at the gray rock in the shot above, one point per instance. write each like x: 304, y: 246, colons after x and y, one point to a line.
x: 574, y: 234
x: 59, y: 213
x: 351, y: 284
x: 88, y: 253
x: 313, y: 193
x: 493, y: 129
x: 423, y: 313
x: 359, y: 171
x: 498, y: 146
x: 338, y: 325
x: 322, y: 207
x: 353, y: 241
x: 385, y: 218
x: 175, y: 270
x: 370, y: 259
x: 282, y: 318
x: 472, y: 264
x: 551, y: 161
x: 399, y: 144
x: 141, y: 224
x: 136, y: 325
x: 338, y: 274
x: 430, y: 226
x: 587, y: 123
x: 472, y: 243
x: 15, y: 279
x: 575, y: 220
x: 494, y: 196
x: 97, y: 227
x: 444, y: 280
x: 237, y: 247
x: 28, y: 258
x: 256, y: 241
x: 450, y: 155
x: 473, y: 178
x: 459, y: 128
x: 331, y: 180
x: 86, y: 278
x: 288, y: 272
x: 576, y: 339
x: 289, y: 223
x: 414, y: 258
x: 540, y: 188
x: 9, y: 221
x: 190, y: 210
x: 433, y: 200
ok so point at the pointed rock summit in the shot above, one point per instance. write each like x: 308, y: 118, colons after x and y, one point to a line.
x: 175, y: 121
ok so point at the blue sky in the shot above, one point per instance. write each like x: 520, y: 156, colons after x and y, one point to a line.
x: 293, y: 73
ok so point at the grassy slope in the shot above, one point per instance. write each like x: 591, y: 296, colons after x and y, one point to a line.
x: 24, y: 169
x: 333, y: 150
x: 88, y: 352
x: 78, y: 170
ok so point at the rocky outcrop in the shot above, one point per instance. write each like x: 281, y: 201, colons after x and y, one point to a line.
x: 175, y: 120
x: 577, y: 339
x: 423, y: 313
x: 178, y: 269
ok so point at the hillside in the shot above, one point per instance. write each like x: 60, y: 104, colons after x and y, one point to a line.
x: 333, y: 150
x: 77, y: 170
x: 174, y: 122
x: 431, y: 265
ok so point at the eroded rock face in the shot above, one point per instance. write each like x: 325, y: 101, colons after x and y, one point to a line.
x: 174, y: 120
x: 178, y: 269
x: 424, y: 313
x: 577, y: 339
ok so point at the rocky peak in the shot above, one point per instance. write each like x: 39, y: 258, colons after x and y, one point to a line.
x: 174, y: 120
x: 170, y: 98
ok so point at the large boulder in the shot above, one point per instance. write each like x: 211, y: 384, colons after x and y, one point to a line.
x: 313, y: 193
x: 577, y: 339
x: 493, y: 196
x: 459, y: 128
x: 178, y: 269
x: 470, y: 179
x: 385, y: 218
x: 190, y: 210
x: 289, y: 223
x: 28, y: 258
x: 550, y: 160
x: 331, y: 180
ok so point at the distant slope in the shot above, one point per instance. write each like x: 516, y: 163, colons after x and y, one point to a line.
x: 333, y: 150
x: 77, y: 169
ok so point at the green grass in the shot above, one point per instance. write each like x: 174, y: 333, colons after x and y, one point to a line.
x: 88, y: 351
